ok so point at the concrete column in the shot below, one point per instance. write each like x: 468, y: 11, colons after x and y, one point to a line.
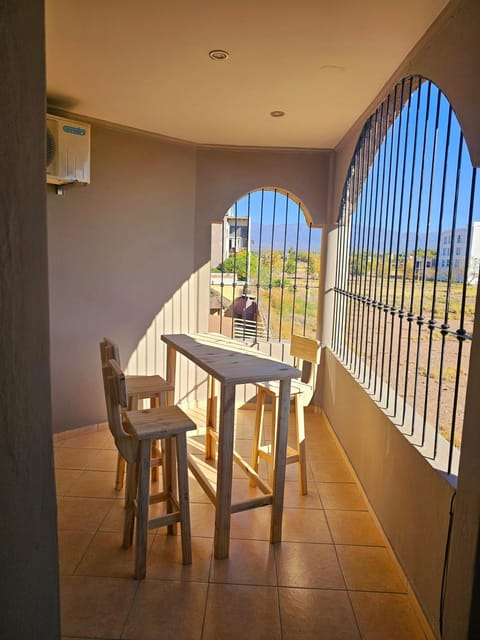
x: 28, y: 532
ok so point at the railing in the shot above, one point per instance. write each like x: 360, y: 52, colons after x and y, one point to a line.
x: 407, y: 267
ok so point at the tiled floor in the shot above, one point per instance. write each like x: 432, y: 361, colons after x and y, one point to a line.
x: 331, y: 578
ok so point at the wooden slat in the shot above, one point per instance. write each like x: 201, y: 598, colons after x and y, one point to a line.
x: 207, y: 486
x: 250, y: 471
x: 305, y: 348
x: 252, y: 503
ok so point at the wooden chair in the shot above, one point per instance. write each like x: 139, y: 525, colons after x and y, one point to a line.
x: 139, y: 388
x: 133, y: 432
x: 306, y: 354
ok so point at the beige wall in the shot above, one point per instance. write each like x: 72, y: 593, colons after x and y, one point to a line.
x: 28, y: 533
x: 129, y: 255
x: 121, y: 264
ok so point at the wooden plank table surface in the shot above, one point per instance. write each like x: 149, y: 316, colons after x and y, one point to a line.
x: 232, y: 363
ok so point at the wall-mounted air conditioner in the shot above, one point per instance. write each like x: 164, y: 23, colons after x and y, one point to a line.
x: 68, y: 151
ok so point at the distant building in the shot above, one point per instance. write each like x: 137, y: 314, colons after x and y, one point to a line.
x: 453, y: 251
x: 229, y: 238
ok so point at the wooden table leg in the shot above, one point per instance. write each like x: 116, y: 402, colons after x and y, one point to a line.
x: 171, y: 369
x: 280, y: 462
x: 224, y: 471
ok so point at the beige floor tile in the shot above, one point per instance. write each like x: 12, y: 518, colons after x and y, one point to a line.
x: 64, y: 479
x: 202, y: 519
x: 95, y: 484
x: 327, y: 451
x: 251, y: 525
x: 305, y: 525
x: 383, y: 616
x: 114, y: 519
x: 341, y: 495
x: 354, y: 527
x: 103, y: 460
x: 71, y: 548
x: 165, y: 559
x: 249, y: 562
x: 236, y: 612
x: 293, y: 497
x: 313, y: 566
x: 106, y: 557
x: 81, y: 514
x: 95, y: 607
x: 197, y: 494
x: 72, y: 458
x: 325, y: 471
x: 370, y: 569
x: 317, y: 614
x: 96, y: 440
x: 167, y: 610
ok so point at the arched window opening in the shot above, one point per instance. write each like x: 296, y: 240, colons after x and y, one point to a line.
x: 265, y: 269
x: 408, y: 258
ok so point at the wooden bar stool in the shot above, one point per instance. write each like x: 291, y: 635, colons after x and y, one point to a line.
x: 306, y: 354
x: 153, y: 388
x: 134, y: 432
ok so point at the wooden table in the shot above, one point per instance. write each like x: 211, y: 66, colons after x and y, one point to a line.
x: 232, y: 363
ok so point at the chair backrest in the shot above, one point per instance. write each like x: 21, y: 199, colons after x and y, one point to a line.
x: 116, y: 400
x: 109, y: 351
x: 306, y: 354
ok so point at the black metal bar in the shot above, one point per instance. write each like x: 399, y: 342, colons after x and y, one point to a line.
x: 394, y: 311
x: 445, y: 326
x: 363, y: 254
x: 260, y: 248
x: 432, y: 322
x: 380, y: 303
x: 296, y: 267
x: 352, y: 266
x: 370, y: 301
x: 391, y: 309
x: 307, y: 284
x: 283, y: 268
x: 421, y: 321
x: 402, y: 312
x: 369, y: 259
x: 271, y: 263
x: 461, y: 333
x: 411, y: 314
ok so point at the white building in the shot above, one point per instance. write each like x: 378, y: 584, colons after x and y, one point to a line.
x: 453, y: 251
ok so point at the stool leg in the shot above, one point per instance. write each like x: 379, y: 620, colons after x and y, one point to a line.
x: 143, y: 495
x: 257, y: 434
x: 120, y: 473
x: 274, y: 437
x: 169, y: 478
x: 130, y: 493
x: 183, y: 497
x: 212, y: 423
x: 301, y: 448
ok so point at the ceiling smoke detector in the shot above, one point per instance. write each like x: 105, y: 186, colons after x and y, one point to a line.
x: 277, y: 113
x: 218, y: 54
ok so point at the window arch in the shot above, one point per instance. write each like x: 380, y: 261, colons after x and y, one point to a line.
x: 403, y: 313
x: 265, y: 268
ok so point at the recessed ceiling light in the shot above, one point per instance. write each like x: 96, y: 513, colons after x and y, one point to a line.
x: 277, y: 113
x: 218, y: 54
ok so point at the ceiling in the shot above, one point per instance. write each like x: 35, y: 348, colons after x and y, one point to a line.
x: 145, y: 64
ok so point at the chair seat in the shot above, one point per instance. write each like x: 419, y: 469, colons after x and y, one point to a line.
x: 273, y: 387
x: 156, y: 423
x: 147, y: 386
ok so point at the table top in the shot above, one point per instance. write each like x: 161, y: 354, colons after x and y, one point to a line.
x: 229, y: 361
